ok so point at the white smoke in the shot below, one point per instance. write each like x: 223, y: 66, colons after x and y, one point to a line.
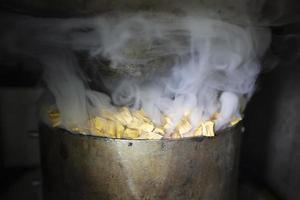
x: 216, y: 65
x: 212, y: 64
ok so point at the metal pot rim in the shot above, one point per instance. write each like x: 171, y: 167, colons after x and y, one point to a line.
x: 201, y: 138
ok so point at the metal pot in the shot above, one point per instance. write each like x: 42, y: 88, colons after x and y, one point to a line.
x: 81, y: 167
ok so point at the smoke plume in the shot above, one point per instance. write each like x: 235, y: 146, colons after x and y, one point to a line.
x: 161, y: 63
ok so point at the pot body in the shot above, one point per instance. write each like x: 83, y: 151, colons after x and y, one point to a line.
x: 79, y: 167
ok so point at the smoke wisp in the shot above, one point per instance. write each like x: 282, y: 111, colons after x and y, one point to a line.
x: 166, y: 64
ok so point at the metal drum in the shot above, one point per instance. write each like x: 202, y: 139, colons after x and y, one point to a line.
x: 81, y: 167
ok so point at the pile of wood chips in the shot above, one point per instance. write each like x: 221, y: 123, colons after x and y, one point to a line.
x: 136, y: 125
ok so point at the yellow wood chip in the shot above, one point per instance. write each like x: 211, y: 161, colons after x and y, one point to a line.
x: 99, y: 124
x: 150, y: 136
x: 119, y: 130
x: 131, y: 133
x: 159, y: 131
x: 140, y: 122
x: 235, y: 120
x: 184, y: 126
x: 175, y: 135
x: 124, y: 116
x: 147, y: 127
x: 205, y: 129
x: 134, y: 123
x: 140, y: 114
x: 199, y: 131
x: 166, y: 123
x: 76, y: 130
x: 208, y: 129
x: 110, y: 130
x: 104, y: 127
x: 108, y: 115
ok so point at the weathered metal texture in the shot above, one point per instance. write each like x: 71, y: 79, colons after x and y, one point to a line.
x: 78, y: 167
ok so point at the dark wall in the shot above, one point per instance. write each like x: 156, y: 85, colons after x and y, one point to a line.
x: 271, y: 144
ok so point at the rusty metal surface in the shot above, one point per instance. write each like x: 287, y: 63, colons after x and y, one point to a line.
x: 78, y: 167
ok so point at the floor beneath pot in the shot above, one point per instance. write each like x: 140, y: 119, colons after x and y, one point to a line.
x: 25, y: 184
